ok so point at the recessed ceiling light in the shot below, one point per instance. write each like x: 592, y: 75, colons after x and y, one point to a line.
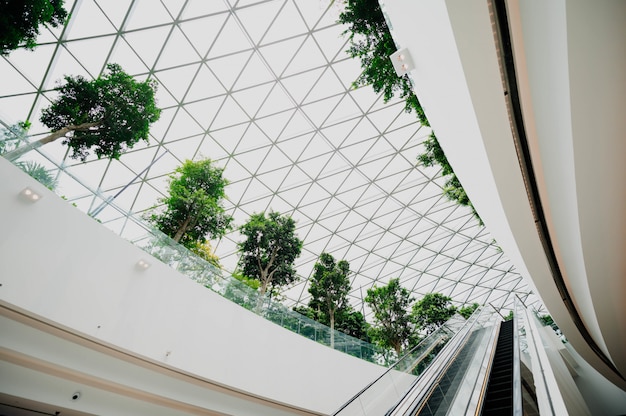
x: 142, y: 264
x: 30, y: 195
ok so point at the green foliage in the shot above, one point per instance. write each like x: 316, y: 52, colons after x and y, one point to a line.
x: 467, y: 311
x: 329, y: 286
x: 241, y: 290
x: 509, y: 316
x: 269, y: 250
x: 204, y: 250
x: 109, y: 114
x: 308, y: 312
x: 432, y: 311
x: 251, y: 283
x: 347, y: 320
x: 20, y: 21
x: 452, y: 189
x: 193, y: 210
x: 371, y: 42
x: 13, y: 135
x: 393, y: 327
x: 39, y: 172
x: 547, y: 320
x: 352, y: 323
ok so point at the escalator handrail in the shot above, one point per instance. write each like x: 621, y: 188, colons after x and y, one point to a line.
x: 476, y: 401
x: 439, y: 332
x: 426, y: 382
x: 517, y: 374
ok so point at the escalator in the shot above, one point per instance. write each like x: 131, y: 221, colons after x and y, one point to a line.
x: 489, y: 367
x: 449, y: 384
x: 499, y: 396
x: 443, y: 393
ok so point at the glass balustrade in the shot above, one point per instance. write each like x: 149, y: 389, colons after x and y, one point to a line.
x: 128, y: 226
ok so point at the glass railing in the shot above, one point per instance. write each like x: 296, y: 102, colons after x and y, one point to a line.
x: 379, y: 395
x: 420, y: 391
x: 547, y: 393
x: 160, y: 246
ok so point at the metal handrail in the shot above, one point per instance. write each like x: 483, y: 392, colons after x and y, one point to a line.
x: 517, y: 374
x: 438, y: 335
x: 428, y: 380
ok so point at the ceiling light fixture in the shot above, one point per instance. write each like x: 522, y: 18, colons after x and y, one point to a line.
x: 402, y: 61
x: 29, y: 195
x: 143, y: 265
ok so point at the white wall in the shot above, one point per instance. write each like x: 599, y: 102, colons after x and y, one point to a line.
x: 459, y: 83
x: 61, y: 265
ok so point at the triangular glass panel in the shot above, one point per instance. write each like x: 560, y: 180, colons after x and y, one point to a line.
x: 147, y: 43
x: 230, y: 40
x: 146, y: 13
x: 88, y: 21
x: 227, y: 68
x: 287, y: 24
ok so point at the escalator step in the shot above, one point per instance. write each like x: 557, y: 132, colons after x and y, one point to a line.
x: 499, y: 395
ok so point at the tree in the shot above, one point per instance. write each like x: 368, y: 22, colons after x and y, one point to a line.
x: 242, y: 290
x: 20, y: 21
x: 352, y: 323
x: 371, y: 42
x: 432, y: 311
x: 329, y: 288
x: 269, y: 250
x: 193, y: 210
x: 467, y: 311
x: 205, y: 252
x: 108, y: 115
x: 392, y: 326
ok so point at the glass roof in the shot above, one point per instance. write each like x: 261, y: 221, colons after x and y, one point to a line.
x: 264, y: 89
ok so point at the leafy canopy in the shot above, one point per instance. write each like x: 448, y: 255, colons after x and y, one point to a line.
x: 432, y: 311
x: 193, y: 210
x: 393, y: 327
x: 269, y: 250
x: 330, y: 285
x: 467, y: 311
x: 109, y: 114
x: 204, y: 250
x: 452, y: 189
x: 20, y: 21
x: 371, y: 42
x: 329, y: 288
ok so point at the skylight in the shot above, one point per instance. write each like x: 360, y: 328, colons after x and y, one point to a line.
x: 264, y: 88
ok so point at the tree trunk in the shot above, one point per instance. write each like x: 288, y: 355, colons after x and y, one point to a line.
x: 13, y: 155
x: 262, y: 290
x: 398, y: 348
x: 181, y: 230
x: 332, y: 330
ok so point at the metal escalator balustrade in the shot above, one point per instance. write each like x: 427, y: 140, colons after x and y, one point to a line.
x: 380, y: 394
x: 449, y: 386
